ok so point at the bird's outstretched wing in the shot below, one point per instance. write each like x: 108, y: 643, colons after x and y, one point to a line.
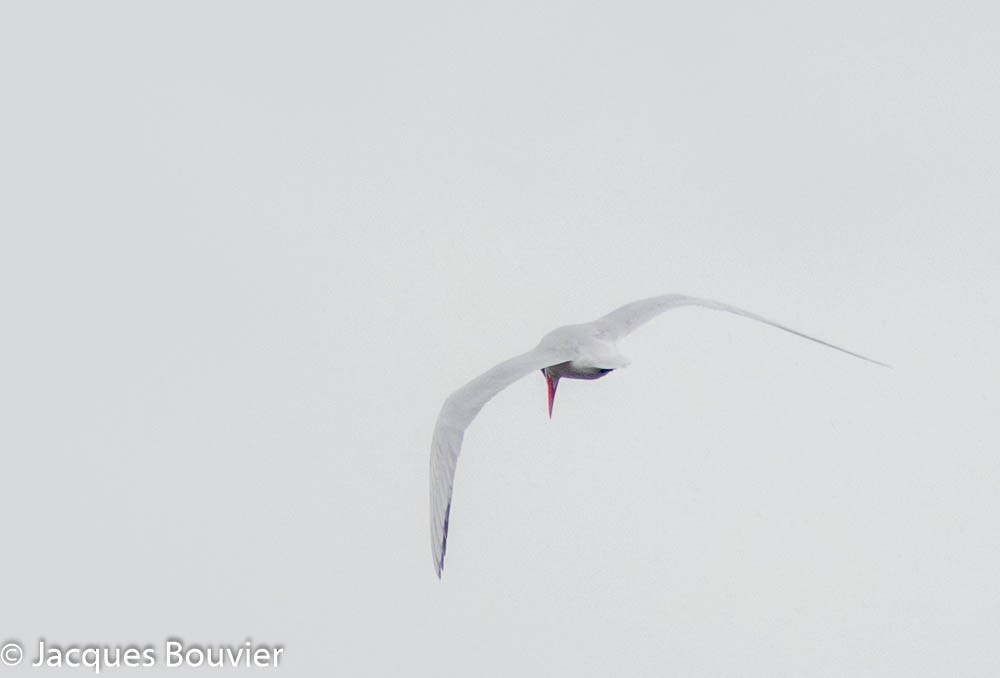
x: 458, y: 411
x: 628, y: 318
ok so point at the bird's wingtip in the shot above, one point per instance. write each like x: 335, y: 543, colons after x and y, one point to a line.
x: 439, y: 557
x: 877, y: 362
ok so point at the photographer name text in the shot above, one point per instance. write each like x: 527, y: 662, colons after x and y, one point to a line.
x: 175, y: 653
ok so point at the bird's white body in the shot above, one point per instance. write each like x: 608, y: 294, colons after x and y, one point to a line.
x: 585, y: 351
x: 592, y: 351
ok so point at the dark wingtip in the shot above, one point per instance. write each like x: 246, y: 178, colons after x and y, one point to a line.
x: 444, y: 540
x: 871, y: 360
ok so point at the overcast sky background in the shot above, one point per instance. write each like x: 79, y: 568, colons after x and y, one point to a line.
x: 247, y: 249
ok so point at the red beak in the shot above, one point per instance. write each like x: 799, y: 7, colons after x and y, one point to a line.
x: 553, y: 383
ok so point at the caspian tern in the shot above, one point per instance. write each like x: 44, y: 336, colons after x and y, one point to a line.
x: 586, y: 351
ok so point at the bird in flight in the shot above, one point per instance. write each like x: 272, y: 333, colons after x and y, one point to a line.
x: 586, y: 351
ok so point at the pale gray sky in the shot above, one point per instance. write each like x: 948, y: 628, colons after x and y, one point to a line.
x: 247, y: 249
